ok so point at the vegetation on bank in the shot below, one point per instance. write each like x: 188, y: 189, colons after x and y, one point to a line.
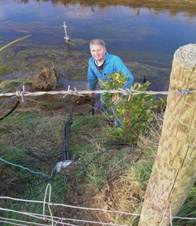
x: 106, y: 175
x: 172, y: 5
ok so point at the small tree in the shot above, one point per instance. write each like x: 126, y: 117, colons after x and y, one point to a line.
x: 135, y: 112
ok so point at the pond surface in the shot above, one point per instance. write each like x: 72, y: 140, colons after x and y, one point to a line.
x: 144, y: 37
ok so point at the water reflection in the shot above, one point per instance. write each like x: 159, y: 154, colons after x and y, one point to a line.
x: 156, y: 6
x: 145, y: 37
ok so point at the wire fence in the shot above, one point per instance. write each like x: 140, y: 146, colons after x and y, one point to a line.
x: 86, y: 92
x: 125, y: 92
x: 55, y: 220
x: 51, y: 219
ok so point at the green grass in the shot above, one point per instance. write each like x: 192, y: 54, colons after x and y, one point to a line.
x: 12, y: 85
x: 119, y: 174
x: 88, y: 120
x: 4, y: 70
x: 35, y: 191
x: 188, y: 209
x: 143, y: 167
x: 97, y: 160
x: 32, y: 140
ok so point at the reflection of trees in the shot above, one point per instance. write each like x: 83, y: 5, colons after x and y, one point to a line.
x: 136, y: 10
x: 173, y: 6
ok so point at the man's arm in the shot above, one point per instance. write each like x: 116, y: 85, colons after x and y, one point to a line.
x: 91, y: 79
x: 121, y: 67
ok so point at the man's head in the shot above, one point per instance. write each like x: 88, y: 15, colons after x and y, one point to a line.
x: 97, y: 49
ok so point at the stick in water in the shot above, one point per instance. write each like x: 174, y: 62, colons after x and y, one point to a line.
x: 13, y: 42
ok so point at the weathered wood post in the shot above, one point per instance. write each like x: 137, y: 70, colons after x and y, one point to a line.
x: 174, y: 170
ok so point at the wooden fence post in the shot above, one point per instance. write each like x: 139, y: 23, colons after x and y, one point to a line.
x: 174, y: 170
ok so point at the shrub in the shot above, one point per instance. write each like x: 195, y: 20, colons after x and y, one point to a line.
x: 135, y: 111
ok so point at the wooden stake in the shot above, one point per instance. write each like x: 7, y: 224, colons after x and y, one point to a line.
x: 174, y: 170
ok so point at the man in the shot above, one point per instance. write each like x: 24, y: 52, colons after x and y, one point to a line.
x: 102, y: 64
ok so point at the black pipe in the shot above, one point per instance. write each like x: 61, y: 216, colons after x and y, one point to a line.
x: 10, y: 111
x: 67, y: 131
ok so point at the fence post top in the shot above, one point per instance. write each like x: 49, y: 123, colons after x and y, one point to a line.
x: 186, y: 55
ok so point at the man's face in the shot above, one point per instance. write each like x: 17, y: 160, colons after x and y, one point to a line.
x: 97, y: 52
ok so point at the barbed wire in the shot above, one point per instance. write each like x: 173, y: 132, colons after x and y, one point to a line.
x: 81, y: 92
x: 125, y: 92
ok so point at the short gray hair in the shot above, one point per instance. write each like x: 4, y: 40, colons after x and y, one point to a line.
x: 97, y: 42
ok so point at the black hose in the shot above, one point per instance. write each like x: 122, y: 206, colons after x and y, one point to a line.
x: 67, y: 131
x: 12, y: 110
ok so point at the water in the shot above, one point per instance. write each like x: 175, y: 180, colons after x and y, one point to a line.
x: 143, y: 37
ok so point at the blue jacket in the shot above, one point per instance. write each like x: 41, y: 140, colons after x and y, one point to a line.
x: 112, y: 64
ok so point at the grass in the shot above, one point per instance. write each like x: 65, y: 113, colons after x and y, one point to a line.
x: 88, y: 120
x: 12, y: 85
x: 32, y: 140
x: 35, y: 191
x: 188, y: 209
x: 35, y: 141
x: 5, y: 70
x: 105, y: 175
x: 117, y: 174
x: 130, y: 186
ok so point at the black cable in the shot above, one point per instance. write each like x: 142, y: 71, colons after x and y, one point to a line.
x: 12, y: 110
x: 67, y: 131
